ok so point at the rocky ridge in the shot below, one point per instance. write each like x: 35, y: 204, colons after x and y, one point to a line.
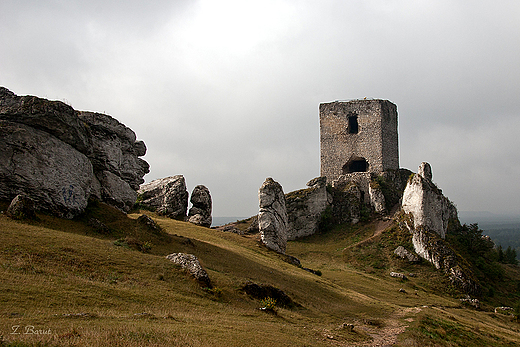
x: 60, y: 157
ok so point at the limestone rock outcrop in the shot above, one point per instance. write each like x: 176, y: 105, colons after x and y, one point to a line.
x: 356, y: 194
x: 52, y: 117
x: 425, y: 201
x: 427, y: 213
x: 305, y: 208
x: 377, y: 198
x: 200, y: 213
x: 60, y: 157
x: 115, y: 149
x: 167, y: 196
x: 34, y: 163
x: 272, y: 218
x: 403, y: 253
x: 191, y: 264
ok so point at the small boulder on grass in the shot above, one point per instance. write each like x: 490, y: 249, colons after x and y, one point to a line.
x: 21, y: 207
x: 398, y: 275
x: 148, y: 222
x: 406, y: 254
x: 191, y: 263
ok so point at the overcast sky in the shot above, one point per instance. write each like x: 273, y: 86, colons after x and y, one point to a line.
x: 227, y: 92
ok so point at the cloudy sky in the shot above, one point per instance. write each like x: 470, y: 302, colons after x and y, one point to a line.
x: 227, y: 92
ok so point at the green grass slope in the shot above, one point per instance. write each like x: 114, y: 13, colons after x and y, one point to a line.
x: 66, y: 283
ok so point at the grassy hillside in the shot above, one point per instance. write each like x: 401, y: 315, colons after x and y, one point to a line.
x: 66, y: 283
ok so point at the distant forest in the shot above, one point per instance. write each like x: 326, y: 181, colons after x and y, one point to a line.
x: 503, y: 230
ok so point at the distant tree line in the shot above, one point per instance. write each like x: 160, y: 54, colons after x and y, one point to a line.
x: 505, y: 234
x: 507, y: 257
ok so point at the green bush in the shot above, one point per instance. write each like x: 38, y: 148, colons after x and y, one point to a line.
x: 268, y: 304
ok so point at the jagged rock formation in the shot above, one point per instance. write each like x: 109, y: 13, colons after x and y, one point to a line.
x: 115, y: 148
x: 305, y: 208
x: 191, y: 264
x: 347, y: 202
x: 423, y: 199
x: 272, y: 218
x: 200, y: 213
x: 427, y: 213
x: 60, y: 157
x: 358, y: 193
x: 167, y: 196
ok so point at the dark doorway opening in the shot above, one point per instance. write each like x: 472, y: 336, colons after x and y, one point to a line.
x: 353, y: 126
x: 355, y: 165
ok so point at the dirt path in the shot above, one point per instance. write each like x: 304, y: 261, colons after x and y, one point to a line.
x: 393, y: 326
x: 380, y: 227
x: 383, y: 333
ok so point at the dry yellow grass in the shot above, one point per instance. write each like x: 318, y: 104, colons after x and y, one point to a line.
x: 62, y: 284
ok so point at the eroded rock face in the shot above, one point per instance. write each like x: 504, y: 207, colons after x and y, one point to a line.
x: 200, y: 213
x: 168, y: 196
x: 377, y: 199
x: 49, y: 171
x: 429, y: 207
x: 116, y: 191
x: 347, y: 202
x: 427, y: 213
x: 272, y: 218
x: 115, y: 149
x: 406, y: 254
x: 434, y: 249
x: 59, y: 157
x: 53, y: 117
x: 305, y: 208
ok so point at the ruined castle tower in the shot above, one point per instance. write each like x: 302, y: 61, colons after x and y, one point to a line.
x: 358, y: 136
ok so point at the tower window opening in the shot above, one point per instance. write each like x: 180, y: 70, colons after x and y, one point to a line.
x: 353, y: 126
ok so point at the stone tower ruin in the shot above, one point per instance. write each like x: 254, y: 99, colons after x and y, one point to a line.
x: 358, y: 136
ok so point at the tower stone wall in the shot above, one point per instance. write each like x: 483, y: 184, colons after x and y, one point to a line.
x: 358, y: 136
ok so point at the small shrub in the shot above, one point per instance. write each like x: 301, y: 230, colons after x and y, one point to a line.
x: 268, y: 304
x: 214, y: 291
x: 146, y: 246
x: 121, y: 243
x: 326, y: 220
x: 365, y: 213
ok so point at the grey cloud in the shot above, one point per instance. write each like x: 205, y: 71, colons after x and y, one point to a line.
x: 228, y: 99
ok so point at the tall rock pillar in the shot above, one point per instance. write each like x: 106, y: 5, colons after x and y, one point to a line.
x: 272, y: 218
